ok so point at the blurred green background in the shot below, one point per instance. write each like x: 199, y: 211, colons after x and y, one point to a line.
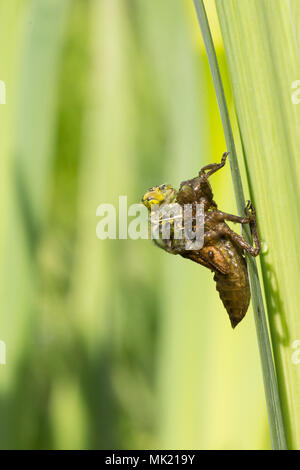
x: 112, y: 344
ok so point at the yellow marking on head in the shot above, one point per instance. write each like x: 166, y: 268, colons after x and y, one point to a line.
x: 158, y: 195
x: 154, y: 196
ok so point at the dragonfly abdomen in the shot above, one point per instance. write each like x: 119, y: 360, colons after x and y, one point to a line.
x: 234, y: 291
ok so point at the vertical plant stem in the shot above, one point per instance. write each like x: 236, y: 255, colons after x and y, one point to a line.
x: 269, y: 377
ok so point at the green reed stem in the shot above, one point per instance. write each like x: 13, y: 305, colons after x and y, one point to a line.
x: 277, y: 430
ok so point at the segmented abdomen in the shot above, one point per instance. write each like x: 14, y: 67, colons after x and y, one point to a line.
x: 234, y: 289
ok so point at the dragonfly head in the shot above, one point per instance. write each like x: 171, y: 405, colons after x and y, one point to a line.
x: 163, y: 194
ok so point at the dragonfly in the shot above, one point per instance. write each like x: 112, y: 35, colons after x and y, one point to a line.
x: 223, y: 250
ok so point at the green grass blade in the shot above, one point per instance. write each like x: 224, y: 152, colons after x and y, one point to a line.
x: 263, y: 69
x: 269, y: 376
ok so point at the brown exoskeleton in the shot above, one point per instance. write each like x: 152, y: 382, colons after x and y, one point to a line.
x: 223, y: 249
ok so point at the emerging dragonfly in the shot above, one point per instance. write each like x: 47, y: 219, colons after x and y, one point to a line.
x: 223, y: 249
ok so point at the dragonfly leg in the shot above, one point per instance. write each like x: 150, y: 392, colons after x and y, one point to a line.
x: 241, y: 242
x: 213, y: 167
x: 212, y: 235
x: 220, y: 216
x: 250, y: 218
x: 251, y: 213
